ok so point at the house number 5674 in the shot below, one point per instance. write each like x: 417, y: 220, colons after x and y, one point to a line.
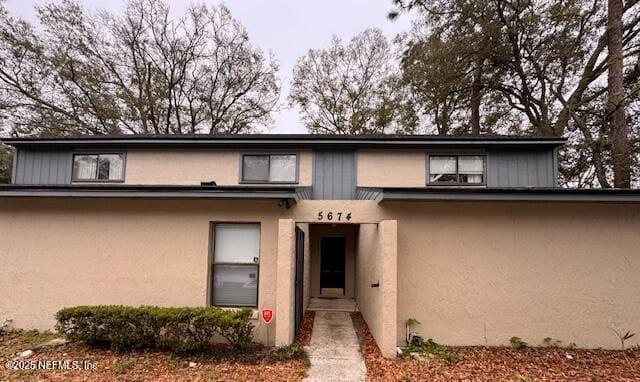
x: 334, y: 216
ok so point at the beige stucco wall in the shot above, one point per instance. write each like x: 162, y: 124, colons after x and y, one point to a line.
x: 376, y: 263
x: 472, y: 273
x: 285, y: 287
x: 350, y: 234
x: 477, y: 274
x: 192, y: 166
x: 391, y: 168
x: 58, y: 253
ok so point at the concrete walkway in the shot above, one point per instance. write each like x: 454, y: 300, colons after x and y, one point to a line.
x: 334, y: 304
x: 334, y: 351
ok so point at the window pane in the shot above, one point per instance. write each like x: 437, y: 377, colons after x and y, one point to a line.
x: 442, y: 169
x: 283, y: 168
x: 237, y: 243
x: 255, y: 168
x: 472, y: 179
x: 235, y: 285
x: 443, y: 178
x: 471, y: 164
x: 471, y: 169
x: 110, y: 167
x: 84, y: 167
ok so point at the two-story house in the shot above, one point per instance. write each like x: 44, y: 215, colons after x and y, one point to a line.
x: 469, y: 235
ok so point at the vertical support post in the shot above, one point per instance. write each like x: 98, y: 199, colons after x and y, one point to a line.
x: 285, y: 279
x: 388, y: 236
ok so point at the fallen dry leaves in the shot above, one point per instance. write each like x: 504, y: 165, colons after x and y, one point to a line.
x: 502, y: 364
x: 304, y: 333
x: 219, y: 365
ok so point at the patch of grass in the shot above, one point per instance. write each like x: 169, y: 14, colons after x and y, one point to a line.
x: 15, y: 341
x: 173, y: 362
x: 422, y: 347
x: 123, y: 366
x: 550, y: 342
x: 518, y: 343
x: 288, y: 353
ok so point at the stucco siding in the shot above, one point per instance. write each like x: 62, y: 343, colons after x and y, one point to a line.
x: 477, y: 274
x: 193, y: 166
x: 472, y: 273
x: 391, y: 168
x: 59, y: 253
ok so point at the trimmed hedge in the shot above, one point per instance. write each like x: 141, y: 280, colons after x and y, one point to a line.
x: 150, y: 327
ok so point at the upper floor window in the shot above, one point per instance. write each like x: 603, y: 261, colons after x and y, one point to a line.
x: 457, y: 169
x: 269, y: 168
x: 98, y: 167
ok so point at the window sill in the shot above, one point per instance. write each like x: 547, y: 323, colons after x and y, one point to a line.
x: 74, y: 181
x: 266, y: 183
x: 456, y: 185
x: 255, y: 313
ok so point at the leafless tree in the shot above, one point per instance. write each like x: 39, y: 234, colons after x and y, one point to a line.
x: 348, y: 88
x: 139, y: 72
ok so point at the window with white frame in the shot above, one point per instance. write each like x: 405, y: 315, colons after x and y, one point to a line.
x: 269, y: 168
x: 457, y: 169
x: 98, y: 167
x: 236, y: 257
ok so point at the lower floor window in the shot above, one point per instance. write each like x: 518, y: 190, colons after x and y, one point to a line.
x: 236, y: 257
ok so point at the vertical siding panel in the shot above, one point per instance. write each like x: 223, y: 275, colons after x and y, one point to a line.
x: 513, y: 172
x: 334, y: 175
x: 65, y: 166
x: 542, y: 171
x: 43, y: 167
x: 521, y: 169
x: 532, y: 172
x: 504, y: 167
x: 19, y: 168
x: 14, y: 165
x: 52, y: 168
x: 548, y: 159
x: 31, y: 158
x: 56, y: 168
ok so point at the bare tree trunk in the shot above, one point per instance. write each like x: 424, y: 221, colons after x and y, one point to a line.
x: 476, y: 96
x: 621, y: 148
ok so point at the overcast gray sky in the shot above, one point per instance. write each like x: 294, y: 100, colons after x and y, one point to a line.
x: 288, y: 28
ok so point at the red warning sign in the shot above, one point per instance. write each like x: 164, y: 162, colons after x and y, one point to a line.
x: 267, y: 316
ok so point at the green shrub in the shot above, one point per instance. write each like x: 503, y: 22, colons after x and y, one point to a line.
x: 552, y: 343
x: 176, y: 329
x: 288, y: 352
x: 518, y: 343
x: 123, y: 366
x: 420, y: 346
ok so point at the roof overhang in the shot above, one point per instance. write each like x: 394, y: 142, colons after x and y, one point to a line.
x: 147, y: 192
x: 289, y: 141
x: 566, y: 195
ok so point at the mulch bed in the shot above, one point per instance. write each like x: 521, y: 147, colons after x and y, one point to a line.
x: 218, y: 364
x: 480, y: 363
x: 304, y: 334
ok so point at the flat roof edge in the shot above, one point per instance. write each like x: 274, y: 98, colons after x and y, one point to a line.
x: 146, y: 192
x: 515, y: 195
x: 288, y: 140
